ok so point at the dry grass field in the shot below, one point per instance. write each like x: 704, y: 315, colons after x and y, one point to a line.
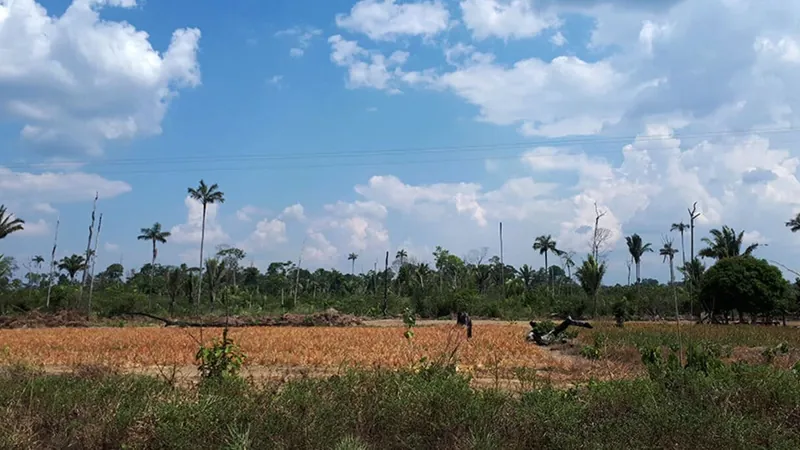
x: 498, y: 354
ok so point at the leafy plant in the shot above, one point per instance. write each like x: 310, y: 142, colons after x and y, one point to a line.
x: 410, y: 322
x: 595, y: 351
x: 222, y: 359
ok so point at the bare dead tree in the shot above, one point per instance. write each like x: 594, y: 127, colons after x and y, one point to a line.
x: 52, y: 264
x: 600, y: 236
x: 628, y: 264
x: 94, y: 259
x: 693, y: 214
x: 502, y: 264
x: 88, y: 248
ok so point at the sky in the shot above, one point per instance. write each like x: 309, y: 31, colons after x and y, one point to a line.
x: 368, y: 126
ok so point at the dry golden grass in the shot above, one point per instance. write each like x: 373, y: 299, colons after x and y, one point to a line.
x: 494, y: 352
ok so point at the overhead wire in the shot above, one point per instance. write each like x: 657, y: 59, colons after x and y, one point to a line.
x: 456, y: 153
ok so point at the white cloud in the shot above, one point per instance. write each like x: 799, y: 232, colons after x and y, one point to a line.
x: 319, y: 249
x: 248, y: 212
x: 190, y: 232
x: 44, y: 207
x: 42, y: 189
x: 506, y: 18
x: 37, y: 228
x: 303, y: 37
x: 111, y: 247
x: 76, y: 82
x: 294, y: 212
x: 268, y: 233
x: 558, y: 39
x: 364, y: 68
x: 385, y: 20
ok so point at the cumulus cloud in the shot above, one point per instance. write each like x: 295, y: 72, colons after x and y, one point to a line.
x: 268, y: 233
x: 506, y: 18
x: 37, y: 191
x: 36, y: 228
x: 76, y: 82
x: 190, y: 232
x: 294, y: 212
x: 385, y: 20
x: 366, y: 68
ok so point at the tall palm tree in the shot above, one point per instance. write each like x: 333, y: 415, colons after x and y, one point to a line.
x: 352, y: 257
x: 544, y: 245
x: 680, y: 227
x: 668, y: 252
x: 72, y: 265
x: 155, y: 235
x: 8, y: 223
x: 725, y: 243
x: 38, y: 260
x: 637, y: 248
x: 590, y: 276
x: 206, y: 195
x: 402, y: 254
x: 794, y: 223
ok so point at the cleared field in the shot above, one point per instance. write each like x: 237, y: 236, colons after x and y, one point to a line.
x: 495, y: 351
x: 497, y: 354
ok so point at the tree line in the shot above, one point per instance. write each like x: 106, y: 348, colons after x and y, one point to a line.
x: 450, y: 283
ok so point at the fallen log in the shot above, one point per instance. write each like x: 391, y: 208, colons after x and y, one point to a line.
x: 329, y: 318
x: 545, y: 339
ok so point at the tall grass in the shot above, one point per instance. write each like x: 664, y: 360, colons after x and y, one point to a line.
x: 731, y: 406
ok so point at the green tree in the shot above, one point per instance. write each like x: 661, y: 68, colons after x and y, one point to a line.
x: 590, y: 276
x: 352, y: 257
x: 637, y: 248
x: 72, y: 265
x: 725, y: 243
x: 8, y: 223
x: 155, y: 235
x: 745, y: 284
x: 794, y: 223
x: 544, y: 245
x: 206, y: 195
x: 669, y: 253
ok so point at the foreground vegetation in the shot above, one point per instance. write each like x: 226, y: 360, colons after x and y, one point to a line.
x: 706, y: 404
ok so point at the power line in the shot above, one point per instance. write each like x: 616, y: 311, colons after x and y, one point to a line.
x: 403, y: 152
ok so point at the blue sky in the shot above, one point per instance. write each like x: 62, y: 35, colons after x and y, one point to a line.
x: 344, y: 126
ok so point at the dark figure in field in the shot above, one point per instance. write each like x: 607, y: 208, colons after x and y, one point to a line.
x: 463, y: 319
x: 550, y: 337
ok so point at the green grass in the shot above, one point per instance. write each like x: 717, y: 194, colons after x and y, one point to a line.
x: 733, y: 406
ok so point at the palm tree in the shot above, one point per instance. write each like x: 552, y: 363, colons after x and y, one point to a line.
x: 72, y: 265
x: 8, y: 223
x: 38, y: 260
x: 680, y: 227
x: 637, y: 248
x: 794, y: 223
x: 590, y: 276
x: 526, y: 274
x: 206, y: 195
x: 215, y: 274
x: 668, y: 252
x: 401, y: 255
x: 352, y: 257
x: 725, y: 243
x: 155, y: 235
x: 544, y: 245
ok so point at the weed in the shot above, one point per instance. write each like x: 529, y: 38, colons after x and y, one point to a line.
x: 222, y: 359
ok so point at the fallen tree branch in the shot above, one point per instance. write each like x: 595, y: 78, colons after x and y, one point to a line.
x: 287, y: 320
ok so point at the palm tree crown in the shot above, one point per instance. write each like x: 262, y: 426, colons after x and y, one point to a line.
x: 8, y: 223
x: 154, y: 234
x: 794, y: 223
x: 637, y: 248
x: 725, y: 243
